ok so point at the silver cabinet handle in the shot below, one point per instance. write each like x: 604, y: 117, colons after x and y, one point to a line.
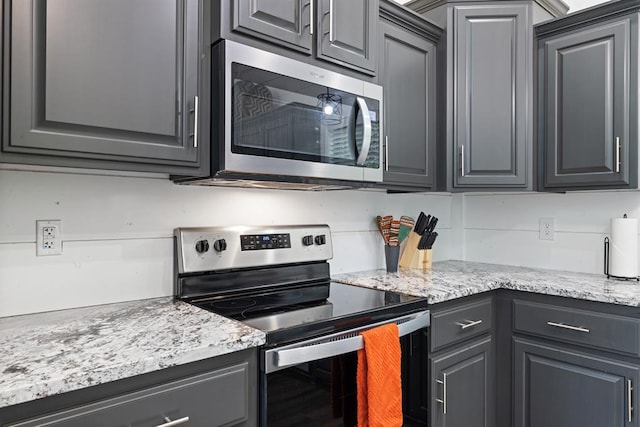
x: 386, y: 153
x: 170, y: 423
x: 331, y: 21
x: 311, y: 17
x: 195, y: 122
x: 573, y: 328
x: 617, y: 154
x: 337, y: 344
x: 469, y: 324
x: 462, y: 160
x: 444, y: 393
x: 629, y: 401
x: 366, y: 134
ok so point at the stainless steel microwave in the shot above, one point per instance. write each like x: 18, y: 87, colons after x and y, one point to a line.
x: 278, y: 122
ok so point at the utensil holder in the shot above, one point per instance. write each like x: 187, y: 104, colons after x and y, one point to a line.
x: 423, y: 259
x: 391, y: 254
x: 410, y: 249
x: 412, y: 257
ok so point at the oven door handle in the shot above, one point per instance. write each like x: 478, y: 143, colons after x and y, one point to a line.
x: 337, y: 344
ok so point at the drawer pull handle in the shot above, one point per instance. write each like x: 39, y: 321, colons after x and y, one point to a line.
x: 573, y: 328
x: 444, y: 393
x: 170, y: 423
x: 469, y: 324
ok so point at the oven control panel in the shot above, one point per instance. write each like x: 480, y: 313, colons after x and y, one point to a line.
x: 222, y: 248
x: 256, y: 242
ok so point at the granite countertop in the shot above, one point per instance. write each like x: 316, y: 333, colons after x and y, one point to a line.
x: 55, y: 352
x: 448, y: 280
x: 49, y: 353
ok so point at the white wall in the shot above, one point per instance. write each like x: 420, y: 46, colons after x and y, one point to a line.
x: 503, y: 228
x: 117, y: 231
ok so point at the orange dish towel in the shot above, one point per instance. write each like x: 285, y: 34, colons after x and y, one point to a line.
x: 378, y: 377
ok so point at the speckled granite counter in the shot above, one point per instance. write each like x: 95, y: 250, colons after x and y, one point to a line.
x: 448, y: 280
x: 50, y: 353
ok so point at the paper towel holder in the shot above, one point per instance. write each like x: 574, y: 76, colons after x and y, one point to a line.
x: 606, y: 262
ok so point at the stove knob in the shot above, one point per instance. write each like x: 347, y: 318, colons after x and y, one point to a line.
x: 321, y: 239
x: 202, y: 246
x: 220, y: 245
x: 307, y: 240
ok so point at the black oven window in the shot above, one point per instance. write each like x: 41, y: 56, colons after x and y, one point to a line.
x: 319, y: 393
x: 283, y: 117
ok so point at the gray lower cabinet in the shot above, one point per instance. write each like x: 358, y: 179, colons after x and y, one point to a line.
x: 105, y: 84
x: 462, y: 386
x: 588, y: 80
x: 560, y: 387
x: 462, y: 364
x: 339, y: 31
x: 407, y: 73
x: 224, y: 395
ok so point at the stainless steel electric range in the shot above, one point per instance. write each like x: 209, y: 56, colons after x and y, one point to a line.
x: 277, y: 279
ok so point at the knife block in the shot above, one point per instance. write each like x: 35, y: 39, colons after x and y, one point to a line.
x: 412, y: 257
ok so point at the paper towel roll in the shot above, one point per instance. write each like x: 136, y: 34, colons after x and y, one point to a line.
x: 623, y: 258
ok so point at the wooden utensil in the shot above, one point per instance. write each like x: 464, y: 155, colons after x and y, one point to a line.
x: 386, y: 227
x: 406, y: 225
x: 394, y: 230
x: 380, y: 229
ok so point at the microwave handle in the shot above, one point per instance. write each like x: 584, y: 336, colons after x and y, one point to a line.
x: 366, y: 135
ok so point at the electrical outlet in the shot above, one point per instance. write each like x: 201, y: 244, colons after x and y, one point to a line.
x: 48, y: 237
x: 547, y: 230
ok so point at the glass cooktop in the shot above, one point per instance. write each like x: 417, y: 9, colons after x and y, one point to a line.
x: 346, y: 307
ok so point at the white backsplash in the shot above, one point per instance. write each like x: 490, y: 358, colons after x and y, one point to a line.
x: 117, y: 231
x: 503, y: 228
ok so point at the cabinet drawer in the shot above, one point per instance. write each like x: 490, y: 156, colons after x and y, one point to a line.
x: 459, y: 323
x: 212, y: 399
x: 600, y: 330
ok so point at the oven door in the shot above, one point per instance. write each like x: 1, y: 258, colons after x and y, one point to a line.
x: 313, y: 383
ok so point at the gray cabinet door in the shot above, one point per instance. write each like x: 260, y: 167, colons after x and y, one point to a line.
x: 284, y: 22
x: 108, y: 80
x: 586, y: 106
x: 347, y: 32
x: 557, y: 387
x: 408, y: 76
x: 462, y: 386
x: 492, y: 48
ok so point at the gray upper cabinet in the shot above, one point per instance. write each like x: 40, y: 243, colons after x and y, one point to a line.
x: 488, y: 96
x: 340, y: 31
x: 588, y: 98
x: 491, y: 77
x: 407, y: 73
x: 111, y: 84
x: 285, y: 22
